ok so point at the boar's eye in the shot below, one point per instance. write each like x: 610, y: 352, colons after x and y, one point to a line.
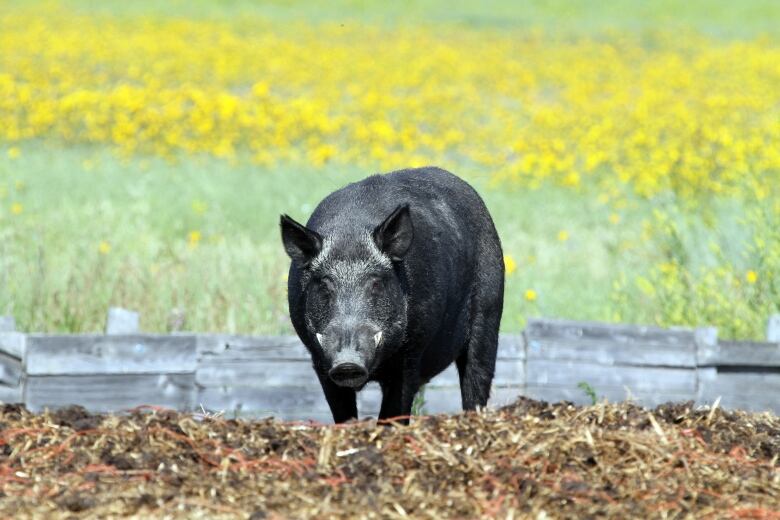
x: 376, y: 286
x: 325, y: 288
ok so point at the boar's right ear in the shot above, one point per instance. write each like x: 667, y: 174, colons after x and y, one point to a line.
x: 394, y: 236
x: 301, y: 243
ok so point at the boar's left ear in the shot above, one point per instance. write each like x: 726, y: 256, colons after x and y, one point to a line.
x: 301, y: 243
x: 394, y: 236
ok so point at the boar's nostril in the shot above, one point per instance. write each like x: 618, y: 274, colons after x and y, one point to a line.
x: 349, y: 374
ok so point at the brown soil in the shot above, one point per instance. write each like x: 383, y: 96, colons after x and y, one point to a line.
x: 529, y: 459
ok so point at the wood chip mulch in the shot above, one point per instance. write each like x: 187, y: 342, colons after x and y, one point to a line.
x: 526, y: 460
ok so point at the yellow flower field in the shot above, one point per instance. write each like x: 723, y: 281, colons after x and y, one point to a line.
x: 147, y: 149
x: 656, y: 111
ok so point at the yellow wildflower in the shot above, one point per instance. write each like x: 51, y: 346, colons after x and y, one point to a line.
x: 572, y: 179
x: 530, y: 295
x: 104, y: 247
x: 193, y: 238
x: 199, y: 207
x: 563, y: 235
x: 509, y: 264
x: 751, y: 277
x: 644, y: 133
x: 17, y: 208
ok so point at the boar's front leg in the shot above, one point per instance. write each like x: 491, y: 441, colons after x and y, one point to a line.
x: 398, y: 395
x: 342, y: 401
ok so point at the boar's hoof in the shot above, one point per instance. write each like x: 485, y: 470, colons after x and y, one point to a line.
x: 348, y: 374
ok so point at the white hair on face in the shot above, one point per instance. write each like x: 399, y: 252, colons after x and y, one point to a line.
x: 348, y: 267
x: 327, y: 245
x: 377, y: 256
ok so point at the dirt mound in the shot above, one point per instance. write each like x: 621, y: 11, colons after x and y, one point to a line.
x: 529, y: 459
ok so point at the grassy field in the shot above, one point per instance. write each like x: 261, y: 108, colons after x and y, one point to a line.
x: 202, y: 236
x: 718, y: 16
x: 628, y: 154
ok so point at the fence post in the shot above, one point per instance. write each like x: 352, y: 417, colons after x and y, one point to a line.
x: 706, y: 343
x: 7, y: 324
x: 177, y: 320
x: 121, y: 321
x: 773, y: 329
x: 706, y: 348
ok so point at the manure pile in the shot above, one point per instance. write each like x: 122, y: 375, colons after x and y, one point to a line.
x: 528, y: 459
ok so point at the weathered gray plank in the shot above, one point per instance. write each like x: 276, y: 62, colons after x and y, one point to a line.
x: 510, y: 346
x: 741, y: 353
x: 737, y: 390
x: 508, y: 372
x: 103, y: 393
x: 279, y: 373
x: 552, y: 329
x: 369, y: 400
x: 448, y: 377
x: 608, y: 352
x: 216, y: 371
x: 439, y: 399
x: 122, y: 321
x: 10, y: 370
x: 99, y: 354
x: 741, y: 383
x: 254, y: 372
x: 655, y: 364
x: 10, y: 394
x: 251, y: 347
x: 7, y: 324
x: 501, y: 396
x: 638, y: 379
x: 447, y: 399
x: 762, y: 402
x: 13, y: 344
x: 272, y: 399
x: 553, y: 393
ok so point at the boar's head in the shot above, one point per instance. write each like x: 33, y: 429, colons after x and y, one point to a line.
x: 355, y: 302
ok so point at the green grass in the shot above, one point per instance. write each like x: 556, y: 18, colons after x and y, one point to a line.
x: 54, y: 278
x: 714, y: 16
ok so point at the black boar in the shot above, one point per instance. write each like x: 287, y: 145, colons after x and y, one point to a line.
x: 392, y: 279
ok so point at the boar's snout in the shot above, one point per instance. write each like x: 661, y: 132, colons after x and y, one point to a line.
x: 348, y: 374
x: 351, y: 349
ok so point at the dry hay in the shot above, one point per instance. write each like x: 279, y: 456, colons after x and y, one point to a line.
x: 529, y: 459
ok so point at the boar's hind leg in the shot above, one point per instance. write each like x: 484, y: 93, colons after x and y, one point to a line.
x: 342, y: 401
x: 477, y: 364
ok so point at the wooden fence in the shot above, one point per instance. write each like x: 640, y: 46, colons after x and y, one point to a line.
x: 257, y: 376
